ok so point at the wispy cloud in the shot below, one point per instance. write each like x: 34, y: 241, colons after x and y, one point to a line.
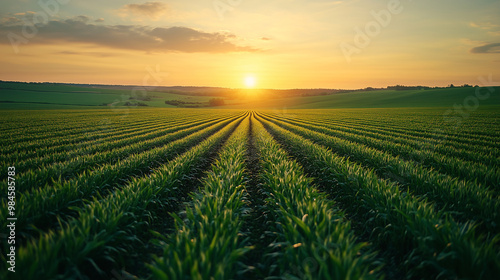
x: 491, y: 28
x: 97, y: 54
x: 150, y: 10
x: 488, y: 48
x: 82, y: 29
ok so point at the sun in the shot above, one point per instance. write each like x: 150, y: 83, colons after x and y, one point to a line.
x: 250, y: 81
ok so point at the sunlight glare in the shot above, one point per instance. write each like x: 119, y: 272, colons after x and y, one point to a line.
x: 250, y: 81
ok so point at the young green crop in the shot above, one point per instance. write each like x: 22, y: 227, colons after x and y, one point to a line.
x: 124, y: 148
x: 37, y: 206
x: 317, y: 241
x: 105, y: 227
x: 451, y: 165
x: 206, y: 244
x: 428, y: 241
x: 39, y: 141
x: 465, y: 199
x: 407, y: 191
x: 89, y: 143
x: 406, y: 132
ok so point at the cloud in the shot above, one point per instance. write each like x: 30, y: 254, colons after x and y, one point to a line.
x: 152, y: 10
x: 488, y: 48
x: 469, y: 42
x: 132, y: 37
x: 10, y: 21
x: 98, y: 54
x: 84, y: 19
x: 491, y: 28
x: 23, y: 14
x: 484, y: 25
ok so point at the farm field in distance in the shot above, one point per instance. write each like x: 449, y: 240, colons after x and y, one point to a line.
x: 247, y: 140
x: 157, y: 193
x: 41, y: 96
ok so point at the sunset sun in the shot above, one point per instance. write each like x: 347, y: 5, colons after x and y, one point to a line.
x: 250, y: 81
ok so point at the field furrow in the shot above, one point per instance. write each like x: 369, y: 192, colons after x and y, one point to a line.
x: 193, y: 193
x: 106, y: 228
x: 435, y: 142
x: 119, y: 151
x: 310, y: 227
x: 465, y: 199
x: 36, y: 208
x: 428, y: 241
x: 207, y: 242
x: 453, y: 166
x: 92, y: 134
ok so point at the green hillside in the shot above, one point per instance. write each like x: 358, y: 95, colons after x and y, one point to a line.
x: 59, y: 96
x: 378, y: 99
x: 410, y: 98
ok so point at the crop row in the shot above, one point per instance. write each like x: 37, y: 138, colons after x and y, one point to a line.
x: 437, y: 143
x: 466, y: 200
x: 336, y: 202
x: 40, y: 205
x: 91, y: 135
x: 400, y: 125
x: 65, y: 134
x: 108, y: 152
x: 59, y: 124
x: 207, y: 243
x: 429, y: 242
x: 456, y: 167
x: 477, y: 126
x: 42, y: 158
x: 310, y: 227
x: 16, y: 123
x: 105, y: 228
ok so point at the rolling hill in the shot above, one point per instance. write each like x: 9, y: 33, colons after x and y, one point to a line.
x: 377, y: 99
x: 62, y: 96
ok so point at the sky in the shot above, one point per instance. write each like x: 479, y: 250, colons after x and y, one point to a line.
x: 261, y: 43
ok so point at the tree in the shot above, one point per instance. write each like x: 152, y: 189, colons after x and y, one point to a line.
x: 216, y: 102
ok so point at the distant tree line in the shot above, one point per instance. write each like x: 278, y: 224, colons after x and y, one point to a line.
x: 141, y: 104
x: 185, y: 104
x: 189, y: 104
x: 401, y: 87
x: 142, y: 98
x: 216, y: 102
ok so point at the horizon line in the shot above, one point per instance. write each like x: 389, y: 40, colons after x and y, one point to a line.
x: 247, y: 89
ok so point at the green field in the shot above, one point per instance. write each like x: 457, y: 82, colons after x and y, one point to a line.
x: 23, y: 96
x: 155, y: 193
x: 375, y: 99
